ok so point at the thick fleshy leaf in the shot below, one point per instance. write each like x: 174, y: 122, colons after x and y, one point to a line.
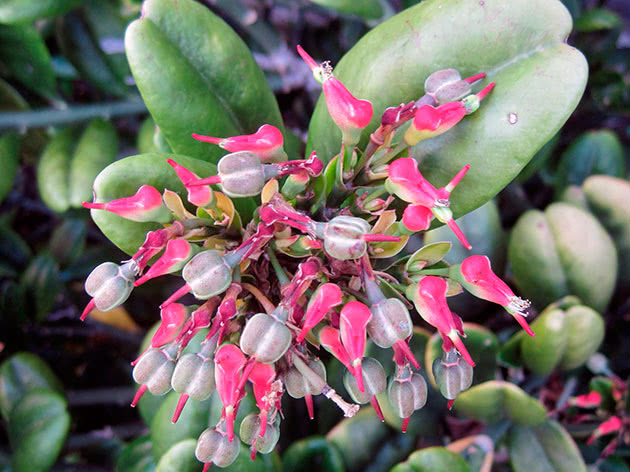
x: 562, y: 251
x: 494, y: 401
x: 511, y: 42
x: 180, y: 458
x: 312, y: 454
x: 368, y: 9
x: 24, y: 11
x: 547, y: 447
x: 136, y: 457
x: 10, y: 152
x: 185, y: 61
x: 123, y: 178
x: 431, y: 253
x: 68, y: 241
x: 38, y: 426
x: 20, y: 374
x: 432, y: 459
x: 42, y: 284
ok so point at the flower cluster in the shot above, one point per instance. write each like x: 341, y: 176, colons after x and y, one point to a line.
x: 304, y: 274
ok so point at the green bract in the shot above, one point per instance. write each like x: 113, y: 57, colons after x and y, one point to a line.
x: 196, y: 76
x: 512, y: 42
x: 563, y: 251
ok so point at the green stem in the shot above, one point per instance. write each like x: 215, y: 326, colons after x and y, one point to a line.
x: 23, y: 120
x: 280, y: 273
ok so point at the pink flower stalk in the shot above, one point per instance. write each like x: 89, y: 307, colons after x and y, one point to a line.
x: 406, y: 181
x: 267, y: 143
x: 417, y: 218
x: 353, y: 323
x: 146, y: 205
x: 262, y: 377
x: 229, y: 362
x: 350, y: 114
x: 430, y: 301
x: 177, y: 253
x: 329, y: 337
x: 199, y: 195
x: 611, y: 425
x: 590, y: 400
x: 326, y: 297
x: 477, y: 277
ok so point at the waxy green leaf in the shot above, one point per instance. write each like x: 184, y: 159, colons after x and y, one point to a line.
x: 25, y: 11
x: 520, y: 45
x: 10, y: 152
x: 433, y: 459
x: 368, y: 9
x: 312, y: 455
x: 136, y: 456
x: 196, y: 76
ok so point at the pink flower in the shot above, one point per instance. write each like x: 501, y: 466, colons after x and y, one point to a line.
x: 477, y: 277
x: 262, y: 377
x: 590, y: 400
x: 329, y: 337
x: 326, y: 297
x: 173, y: 318
x: 267, y: 143
x: 177, y: 253
x: 611, y: 425
x: 353, y: 327
x: 145, y: 205
x: 199, y: 195
x: 350, y: 114
x: 229, y: 362
x: 430, y: 301
x: 417, y: 218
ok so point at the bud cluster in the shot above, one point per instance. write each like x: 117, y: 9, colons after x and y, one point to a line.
x: 302, y: 276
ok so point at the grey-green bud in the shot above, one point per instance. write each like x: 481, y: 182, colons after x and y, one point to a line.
x: 374, y: 381
x: 110, y: 284
x: 207, y: 274
x: 194, y: 376
x: 390, y: 322
x: 447, y: 86
x: 250, y: 433
x: 343, y: 237
x: 265, y: 338
x: 298, y: 386
x: 213, y: 446
x: 407, y: 395
x: 242, y: 174
x: 155, y: 369
x: 452, y: 374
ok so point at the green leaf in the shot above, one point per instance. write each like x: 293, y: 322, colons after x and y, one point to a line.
x: 136, y: 457
x: 144, y: 141
x: 540, y: 159
x: 595, y: 152
x: 180, y: 458
x: 24, y: 53
x: 433, y: 459
x: 544, y: 448
x: 562, y: 251
x: 68, y: 241
x: 10, y: 152
x: 21, y: 373
x: 196, y: 76
x: 124, y: 177
x: 25, y: 11
x: 263, y: 463
x: 598, y: 19
x: 38, y: 427
x: 368, y: 9
x: 82, y: 49
x: 429, y: 254
x: 312, y: 454
x: 494, y: 401
x: 543, y: 353
x: 511, y: 42
x: 52, y: 171
x: 42, y: 284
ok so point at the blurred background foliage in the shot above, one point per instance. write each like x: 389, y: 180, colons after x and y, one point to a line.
x: 69, y: 107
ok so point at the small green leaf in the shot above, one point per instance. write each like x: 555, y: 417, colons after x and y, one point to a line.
x: 21, y: 373
x: 595, y: 152
x: 68, y: 241
x: 52, y: 171
x: 38, y: 426
x: 368, y: 9
x: 25, y: 11
x: 10, y: 152
x: 547, y: 447
x: 136, y: 457
x: 432, y: 459
x: 312, y: 454
x: 42, y: 284
x: 494, y: 401
x: 543, y: 353
x: 598, y: 19
x: 431, y: 253
x: 199, y: 94
x: 180, y: 458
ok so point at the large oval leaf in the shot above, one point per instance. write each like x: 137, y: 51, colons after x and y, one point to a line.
x: 433, y: 459
x: 196, y: 76
x: 520, y: 44
x: 123, y: 178
x: 312, y: 455
x: 136, y: 456
x: 24, y: 11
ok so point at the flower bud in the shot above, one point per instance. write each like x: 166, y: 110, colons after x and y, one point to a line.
x: 109, y: 285
x: 194, y: 378
x: 452, y: 374
x: 214, y: 447
x: 346, y: 237
x: 374, y: 381
x: 206, y: 275
x: 298, y: 386
x: 407, y: 395
x: 265, y: 338
x: 390, y: 322
x: 154, y: 371
x: 250, y: 434
x: 266, y: 143
x: 146, y: 205
x: 447, y: 85
x: 177, y: 253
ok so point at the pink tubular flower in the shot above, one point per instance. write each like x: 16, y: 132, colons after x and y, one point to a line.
x: 199, y: 195
x: 262, y: 377
x: 430, y: 301
x: 406, y: 181
x: 590, y: 400
x: 611, y: 425
x: 177, y: 253
x: 353, y: 328
x: 173, y: 318
x: 329, y: 337
x: 146, y: 205
x: 229, y: 362
x: 267, y: 143
x: 350, y: 114
x: 476, y: 275
x: 326, y: 297
x: 417, y: 218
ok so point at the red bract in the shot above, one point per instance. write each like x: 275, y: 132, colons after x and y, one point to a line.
x: 267, y: 143
x: 262, y: 377
x: 611, y: 425
x: 350, y: 114
x: 325, y: 299
x: 198, y: 195
x: 417, y: 218
x: 590, y: 400
x: 330, y: 338
x: 478, y: 278
x: 430, y: 301
x: 353, y: 323
x: 177, y: 253
x: 430, y: 121
x: 146, y: 205
x: 229, y: 362
x: 173, y: 318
